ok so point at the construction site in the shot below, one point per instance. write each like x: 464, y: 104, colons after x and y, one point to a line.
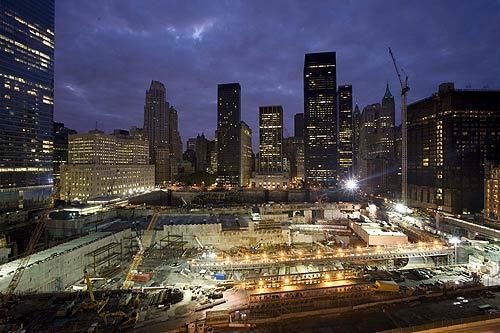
x: 201, y: 269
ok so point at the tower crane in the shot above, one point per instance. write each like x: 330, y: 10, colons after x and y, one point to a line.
x: 404, y: 136
x: 136, y: 261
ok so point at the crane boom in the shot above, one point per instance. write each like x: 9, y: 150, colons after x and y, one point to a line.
x: 136, y: 261
x: 24, y: 261
x: 404, y: 136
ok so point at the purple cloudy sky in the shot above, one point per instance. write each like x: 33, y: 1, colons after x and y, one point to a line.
x: 108, y: 51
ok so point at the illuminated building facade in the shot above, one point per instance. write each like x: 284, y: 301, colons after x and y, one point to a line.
x: 345, y: 141
x: 96, y: 147
x: 492, y: 194
x: 293, y: 154
x: 271, y: 139
x: 102, y: 164
x: 451, y: 135
x: 81, y: 182
x: 320, y: 119
x: 229, y: 134
x: 26, y: 103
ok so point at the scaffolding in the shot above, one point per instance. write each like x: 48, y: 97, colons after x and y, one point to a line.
x: 103, y: 258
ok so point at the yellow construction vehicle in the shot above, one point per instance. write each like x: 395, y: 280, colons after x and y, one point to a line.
x: 136, y: 261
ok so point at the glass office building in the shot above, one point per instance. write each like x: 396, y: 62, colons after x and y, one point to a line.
x: 26, y: 103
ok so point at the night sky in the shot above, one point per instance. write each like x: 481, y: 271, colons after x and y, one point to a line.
x: 107, y: 52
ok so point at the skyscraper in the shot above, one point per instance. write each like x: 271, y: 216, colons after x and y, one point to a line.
x: 320, y: 119
x: 388, y: 110
x: 156, y: 119
x: 298, y: 125
x: 245, y: 154
x: 174, y: 137
x: 356, y: 119
x: 228, y: 134
x: 452, y: 135
x: 271, y: 139
x: 26, y: 103
x: 61, y: 136
x: 345, y: 143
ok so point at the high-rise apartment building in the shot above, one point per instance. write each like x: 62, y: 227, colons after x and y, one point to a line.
x: 320, y: 119
x: 156, y: 119
x: 61, y: 140
x: 26, y: 104
x: 451, y: 136
x: 345, y: 140
x: 229, y: 134
x: 298, y: 125
x: 271, y: 139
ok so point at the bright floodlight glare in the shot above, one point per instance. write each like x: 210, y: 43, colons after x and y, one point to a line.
x: 455, y: 240
x: 400, y: 208
x: 351, y: 184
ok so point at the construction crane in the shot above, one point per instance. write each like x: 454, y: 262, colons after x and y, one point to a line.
x: 136, y: 261
x: 24, y: 261
x: 404, y: 136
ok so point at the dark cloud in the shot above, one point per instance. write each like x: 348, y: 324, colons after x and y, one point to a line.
x: 107, y: 52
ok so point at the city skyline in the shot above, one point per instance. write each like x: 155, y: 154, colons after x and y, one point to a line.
x: 82, y: 88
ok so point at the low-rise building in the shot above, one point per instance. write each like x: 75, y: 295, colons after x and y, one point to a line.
x: 373, y: 234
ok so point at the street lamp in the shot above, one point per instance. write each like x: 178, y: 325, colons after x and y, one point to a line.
x: 455, y: 241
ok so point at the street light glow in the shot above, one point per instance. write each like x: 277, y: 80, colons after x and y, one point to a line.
x: 351, y: 184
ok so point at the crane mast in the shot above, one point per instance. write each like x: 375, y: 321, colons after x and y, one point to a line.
x: 404, y: 136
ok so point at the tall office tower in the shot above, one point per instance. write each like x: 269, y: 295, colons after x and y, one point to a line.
x: 213, y: 155
x: 356, y: 119
x: 298, y: 125
x: 228, y: 134
x: 271, y: 139
x: 387, y: 112
x: 367, y: 126
x: 202, y: 153
x: 451, y: 136
x: 293, y: 151
x: 174, y: 137
x: 245, y: 154
x: 26, y: 103
x: 156, y: 126
x: 61, y: 136
x: 320, y: 119
x: 345, y: 142
x: 492, y: 193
